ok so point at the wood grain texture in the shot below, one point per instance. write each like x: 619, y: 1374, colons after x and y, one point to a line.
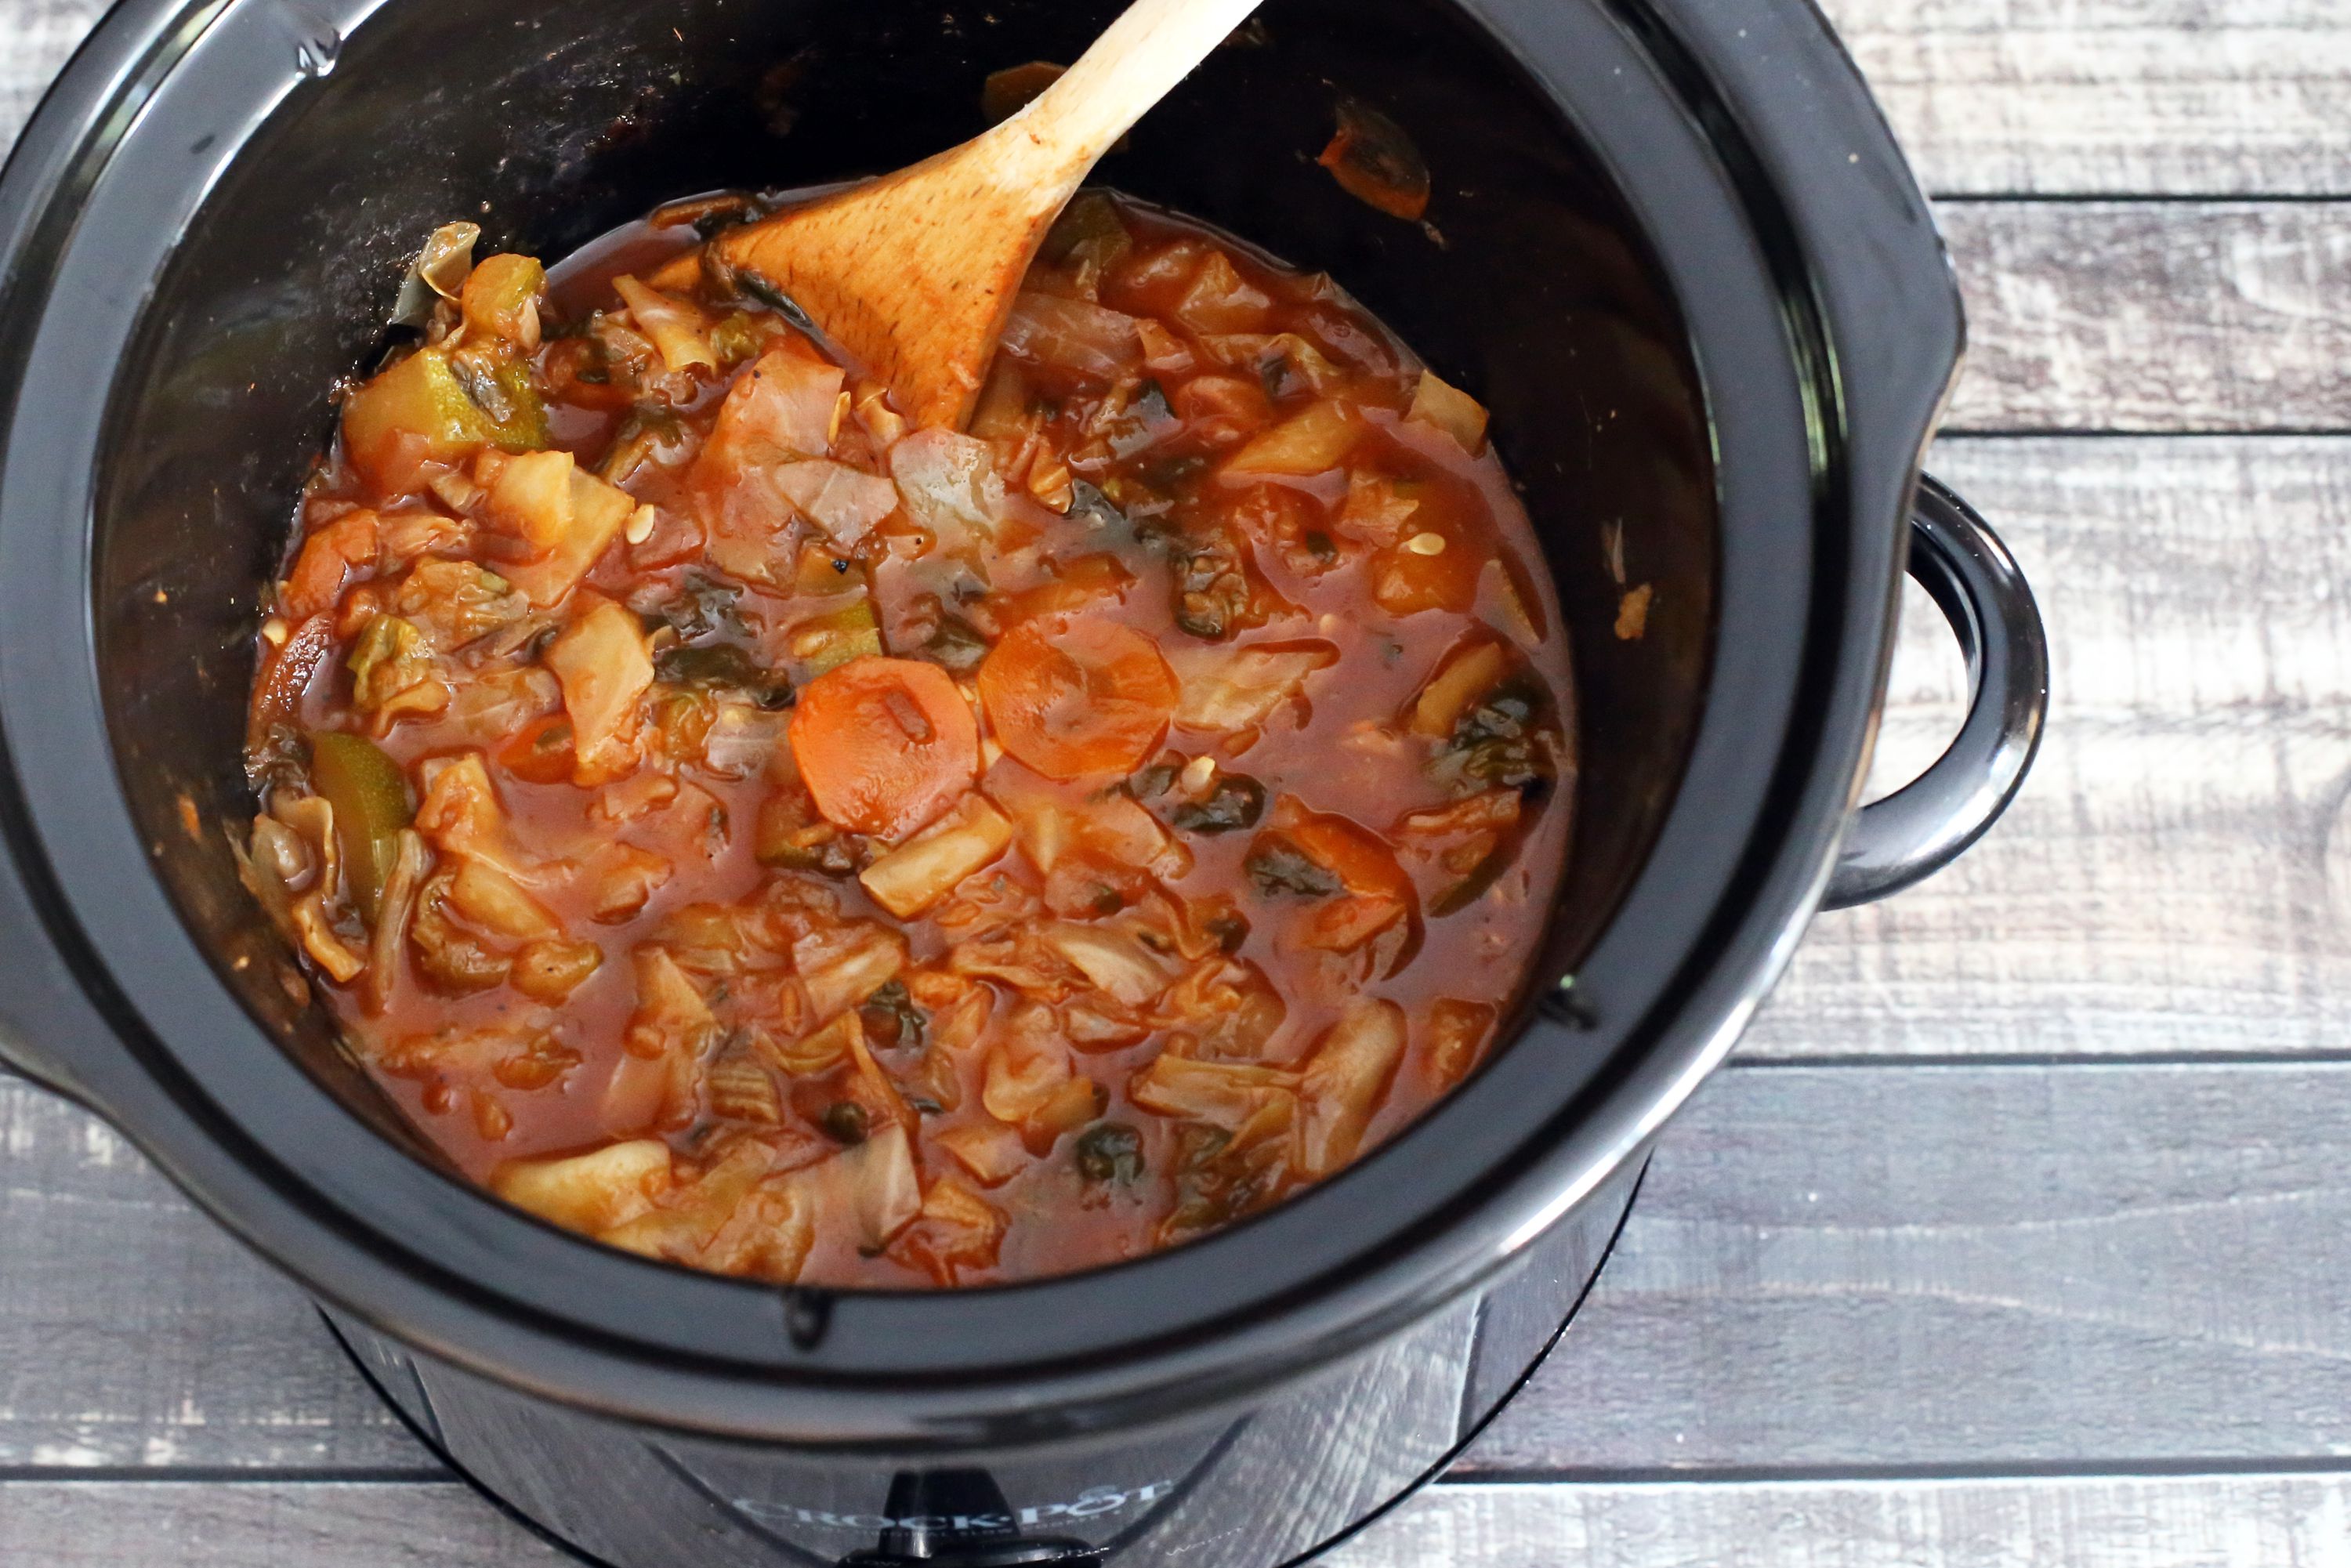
x: 2090, y: 97
x: 1819, y: 1260
x: 2208, y: 1522
x: 2175, y: 877
x: 314, y: 1524
x: 35, y: 37
x: 1967, y: 1267
x: 913, y: 275
x: 134, y: 1332
x: 2157, y: 316
x: 2257, y: 1521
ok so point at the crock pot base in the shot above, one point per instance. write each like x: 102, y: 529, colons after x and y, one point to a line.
x: 1275, y: 1485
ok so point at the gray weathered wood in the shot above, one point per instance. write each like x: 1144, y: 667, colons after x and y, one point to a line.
x: 2161, y: 317
x: 2064, y: 97
x: 2088, y: 97
x: 35, y: 37
x: 134, y: 1332
x: 1956, y: 1266
x: 2252, y: 1521
x: 2172, y: 879
x: 1968, y: 1267
x: 314, y: 1524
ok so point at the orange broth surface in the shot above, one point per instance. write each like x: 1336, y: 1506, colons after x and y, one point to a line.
x: 783, y: 843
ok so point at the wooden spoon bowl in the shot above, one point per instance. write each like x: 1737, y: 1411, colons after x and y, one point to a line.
x: 912, y: 276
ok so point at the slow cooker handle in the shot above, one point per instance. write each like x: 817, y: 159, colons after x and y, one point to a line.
x: 1930, y: 822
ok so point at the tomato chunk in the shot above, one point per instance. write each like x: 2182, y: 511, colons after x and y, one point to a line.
x: 1074, y: 696
x: 884, y: 745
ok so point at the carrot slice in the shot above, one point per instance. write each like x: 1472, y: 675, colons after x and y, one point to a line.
x: 1071, y: 696
x: 884, y: 745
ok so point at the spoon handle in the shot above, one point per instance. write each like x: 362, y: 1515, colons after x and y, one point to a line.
x: 1138, y: 60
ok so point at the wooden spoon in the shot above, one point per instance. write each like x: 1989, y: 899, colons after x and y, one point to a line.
x: 913, y: 275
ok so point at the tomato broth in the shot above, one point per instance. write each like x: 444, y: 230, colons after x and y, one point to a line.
x: 756, y: 834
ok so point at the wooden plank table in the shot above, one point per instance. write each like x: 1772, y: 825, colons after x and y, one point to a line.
x: 2018, y: 1231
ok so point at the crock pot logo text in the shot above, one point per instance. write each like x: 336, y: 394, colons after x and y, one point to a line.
x: 1092, y: 1503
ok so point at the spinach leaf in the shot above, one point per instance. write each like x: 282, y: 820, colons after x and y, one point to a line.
x: 957, y: 645
x: 727, y: 665
x: 1278, y: 866
x: 1109, y: 1152
x: 1236, y: 800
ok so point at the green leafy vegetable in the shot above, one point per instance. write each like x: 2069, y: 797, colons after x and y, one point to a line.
x: 1497, y: 743
x: 1212, y: 590
x: 370, y: 796
x: 957, y: 645
x: 1152, y: 781
x: 704, y: 607
x: 727, y: 666
x: 1109, y: 1152
x: 1214, y: 1182
x: 1278, y: 866
x: 1236, y: 801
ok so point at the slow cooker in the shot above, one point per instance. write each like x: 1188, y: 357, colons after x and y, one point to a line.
x: 1672, y: 247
